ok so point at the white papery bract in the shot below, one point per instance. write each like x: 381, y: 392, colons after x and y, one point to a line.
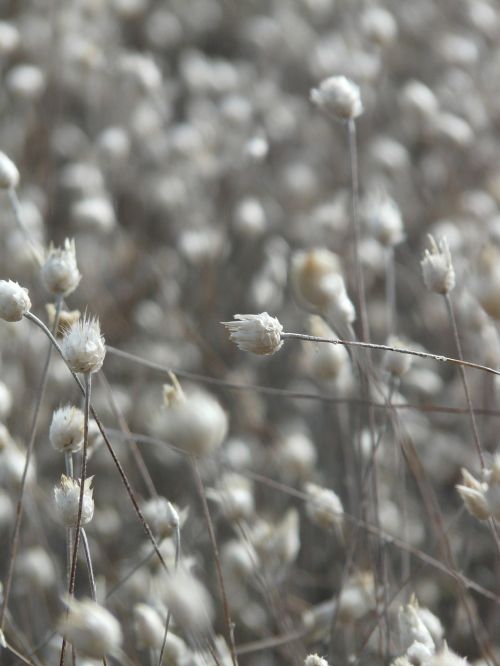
x: 255, y: 333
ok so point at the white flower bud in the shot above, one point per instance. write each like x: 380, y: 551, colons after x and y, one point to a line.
x: 339, y: 97
x: 148, y: 626
x: 67, y: 498
x: 188, y: 601
x: 259, y: 334
x: 60, y: 274
x: 83, y: 346
x: 234, y: 493
x: 9, y: 175
x: 14, y: 300
x: 437, y: 269
x: 324, y: 507
x: 66, y: 429
x: 384, y: 218
x: 91, y: 629
x: 412, y: 628
x: 197, y: 424
x: 475, y: 502
x: 162, y: 516
x: 315, y: 660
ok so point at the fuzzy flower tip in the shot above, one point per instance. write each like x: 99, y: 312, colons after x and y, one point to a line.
x: 259, y: 334
x: 339, y: 97
x: 437, y: 267
x: 67, y: 499
x: 83, y: 346
x: 14, y: 301
x: 91, y: 629
x: 60, y: 273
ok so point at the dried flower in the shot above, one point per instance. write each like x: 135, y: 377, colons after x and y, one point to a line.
x: 259, y: 334
x: 315, y: 660
x: 14, y: 301
x: 67, y: 498
x: 162, y: 516
x: 148, y: 626
x: 60, y: 273
x: 339, y: 97
x: 9, y: 175
x: 83, y: 346
x: 91, y: 629
x: 188, y: 601
x: 437, y: 269
x: 323, y: 507
x: 66, y: 429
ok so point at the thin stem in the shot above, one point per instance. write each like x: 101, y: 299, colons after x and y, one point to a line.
x: 31, y: 445
x: 16, y: 209
x: 215, y: 549
x: 390, y: 291
x: 360, y: 282
x: 87, y: 378
x: 33, y: 318
x: 176, y: 564
x: 399, y: 350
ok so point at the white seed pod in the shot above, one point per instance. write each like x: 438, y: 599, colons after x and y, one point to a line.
x: 384, y: 219
x: 258, y: 334
x: 277, y: 544
x: 14, y: 300
x: 239, y: 559
x: 195, y: 423
x: 357, y: 597
x: 437, y: 267
x: 188, y: 601
x: 91, y: 629
x: 25, y: 82
x: 83, y: 346
x: 339, y: 97
x: 418, y: 653
x: 250, y: 218
x: 296, y: 455
x: 148, y: 626
x: 162, y: 516
x: 475, y: 502
x: 67, y: 499
x: 234, y: 494
x: 446, y: 657
x: 412, y: 628
x: 379, y: 25
x: 9, y: 175
x: 315, y: 660
x: 59, y: 273
x: 94, y: 213
x: 36, y: 569
x: 309, y: 270
x: 66, y: 429
x: 323, y: 507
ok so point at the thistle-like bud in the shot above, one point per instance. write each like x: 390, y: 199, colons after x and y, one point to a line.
x: 14, y: 301
x: 9, y: 175
x: 66, y: 429
x: 91, y: 629
x: 338, y: 97
x: 83, y: 346
x: 437, y: 268
x: 323, y: 507
x: 259, y: 334
x: 67, y: 498
x: 60, y: 274
x: 196, y: 422
x: 315, y: 660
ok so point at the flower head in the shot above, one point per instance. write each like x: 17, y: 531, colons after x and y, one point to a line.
x: 437, y: 269
x: 9, y: 174
x: 60, y: 274
x: 83, y: 346
x: 339, y: 97
x: 14, y: 301
x: 67, y: 498
x: 259, y: 334
x: 66, y: 429
x: 91, y: 629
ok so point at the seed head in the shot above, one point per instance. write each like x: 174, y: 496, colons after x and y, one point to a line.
x: 83, y: 346
x: 338, y: 97
x: 188, y: 601
x: 259, y: 334
x: 9, y: 175
x: 324, y: 507
x: 315, y: 660
x: 67, y: 498
x: 437, y: 269
x: 148, y: 627
x: 14, y: 301
x: 60, y: 274
x: 91, y: 629
x: 66, y: 429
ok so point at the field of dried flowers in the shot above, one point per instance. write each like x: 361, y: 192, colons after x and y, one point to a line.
x: 303, y: 171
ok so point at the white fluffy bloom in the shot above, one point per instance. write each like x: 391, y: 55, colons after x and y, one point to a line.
x: 323, y: 507
x: 437, y: 268
x: 339, y: 97
x: 66, y: 429
x: 67, y: 498
x: 14, y: 300
x: 83, y: 346
x: 188, y: 601
x: 148, y: 626
x: 196, y: 422
x: 315, y: 660
x: 162, y: 516
x: 9, y: 175
x: 256, y: 333
x: 91, y: 629
x: 60, y: 273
